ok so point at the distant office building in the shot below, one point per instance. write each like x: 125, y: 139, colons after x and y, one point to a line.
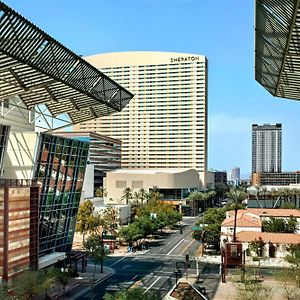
x: 236, y: 174
x: 104, y: 156
x: 220, y: 177
x: 282, y: 178
x: 266, y: 148
x: 165, y: 125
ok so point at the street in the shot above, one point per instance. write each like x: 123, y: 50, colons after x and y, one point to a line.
x: 153, y: 269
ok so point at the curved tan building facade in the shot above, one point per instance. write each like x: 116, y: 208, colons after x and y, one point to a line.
x: 178, y: 183
x: 165, y: 125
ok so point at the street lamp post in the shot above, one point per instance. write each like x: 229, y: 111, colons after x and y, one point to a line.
x: 102, y: 250
x: 177, y: 274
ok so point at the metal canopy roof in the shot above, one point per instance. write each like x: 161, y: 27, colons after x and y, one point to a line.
x: 277, y: 47
x: 42, y: 71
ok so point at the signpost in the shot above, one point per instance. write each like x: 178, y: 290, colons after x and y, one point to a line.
x: 109, y: 237
x: 196, y: 228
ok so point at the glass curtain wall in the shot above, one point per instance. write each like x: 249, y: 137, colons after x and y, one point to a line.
x: 60, y: 170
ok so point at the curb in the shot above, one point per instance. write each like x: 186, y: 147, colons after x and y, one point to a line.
x: 88, y: 288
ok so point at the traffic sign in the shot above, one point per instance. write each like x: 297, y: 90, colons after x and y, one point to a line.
x: 196, y: 228
x: 109, y: 237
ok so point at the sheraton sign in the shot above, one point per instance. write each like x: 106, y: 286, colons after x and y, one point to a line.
x: 186, y: 58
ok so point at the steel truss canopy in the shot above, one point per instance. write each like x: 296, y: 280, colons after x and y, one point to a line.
x: 40, y: 70
x: 277, y: 47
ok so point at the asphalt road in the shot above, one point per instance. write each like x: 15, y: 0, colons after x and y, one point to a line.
x: 153, y: 269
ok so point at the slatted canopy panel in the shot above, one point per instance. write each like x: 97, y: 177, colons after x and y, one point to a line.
x: 277, y: 47
x: 40, y: 70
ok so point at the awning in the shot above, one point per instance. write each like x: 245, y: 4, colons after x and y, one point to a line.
x: 277, y: 47
x: 40, y: 70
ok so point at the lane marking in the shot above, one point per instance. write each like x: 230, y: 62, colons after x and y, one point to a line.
x: 192, y: 241
x: 118, y: 261
x: 175, y: 246
x: 152, y: 285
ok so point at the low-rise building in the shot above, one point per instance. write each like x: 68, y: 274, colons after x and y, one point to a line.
x: 249, y: 229
x: 174, y: 184
x: 275, y: 244
x: 281, y: 178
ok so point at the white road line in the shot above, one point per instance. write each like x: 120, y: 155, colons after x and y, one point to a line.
x: 175, y: 246
x: 152, y: 285
x: 192, y: 241
x: 118, y: 261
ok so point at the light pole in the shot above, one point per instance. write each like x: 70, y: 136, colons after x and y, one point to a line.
x: 102, y: 250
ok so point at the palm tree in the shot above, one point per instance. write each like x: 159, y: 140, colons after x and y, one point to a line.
x: 211, y: 196
x: 127, y: 194
x: 195, y: 197
x: 236, y: 196
x: 142, y: 195
x: 101, y: 192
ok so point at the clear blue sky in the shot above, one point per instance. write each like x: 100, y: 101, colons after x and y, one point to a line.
x: 223, y: 30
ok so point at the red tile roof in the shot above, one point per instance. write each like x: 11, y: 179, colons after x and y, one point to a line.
x: 243, y: 220
x: 275, y: 212
x: 275, y: 238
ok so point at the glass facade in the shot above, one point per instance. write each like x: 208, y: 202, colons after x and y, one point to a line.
x: 60, y: 168
x: 4, y: 132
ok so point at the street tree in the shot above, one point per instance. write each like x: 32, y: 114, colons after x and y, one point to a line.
x: 95, y: 249
x: 195, y: 198
x: 236, y: 196
x: 108, y: 217
x: 87, y: 220
x: 210, y: 225
x: 59, y: 278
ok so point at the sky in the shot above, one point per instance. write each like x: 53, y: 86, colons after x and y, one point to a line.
x: 222, y: 30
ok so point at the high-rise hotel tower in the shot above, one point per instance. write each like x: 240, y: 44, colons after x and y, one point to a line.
x: 266, y: 148
x: 165, y: 125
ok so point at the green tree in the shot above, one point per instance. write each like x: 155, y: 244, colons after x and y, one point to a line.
x: 101, y: 192
x: 4, y: 295
x: 94, y: 246
x: 221, y: 190
x: 195, y: 198
x: 281, y: 225
x: 131, y: 232
x: 142, y: 195
x: 236, y: 196
x: 257, y: 246
x: 58, y: 278
x: 87, y: 220
x: 290, y: 278
x: 127, y: 195
x: 108, y: 217
x: 132, y: 294
x: 212, y: 219
x: 30, y: 283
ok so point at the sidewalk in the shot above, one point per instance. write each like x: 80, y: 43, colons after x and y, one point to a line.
x: 78, y: 286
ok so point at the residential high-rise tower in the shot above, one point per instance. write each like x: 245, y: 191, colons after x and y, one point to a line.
x: 165, y: 125
x: 266, y: 148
